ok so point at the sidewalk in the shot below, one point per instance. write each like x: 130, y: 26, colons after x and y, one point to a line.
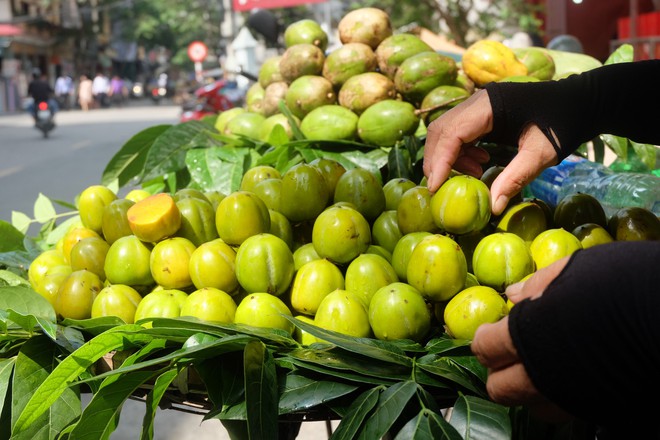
x: 176, y: 425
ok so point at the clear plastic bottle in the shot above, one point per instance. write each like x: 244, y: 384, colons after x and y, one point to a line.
x: 613, y: 189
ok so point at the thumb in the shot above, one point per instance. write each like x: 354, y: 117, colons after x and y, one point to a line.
x: 535, y: 153
x: 522, y: 169
x: 534, y: 286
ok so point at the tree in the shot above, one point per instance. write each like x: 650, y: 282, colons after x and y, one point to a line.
x: 464, y: 21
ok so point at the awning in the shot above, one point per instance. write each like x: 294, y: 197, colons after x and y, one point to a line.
x: 9, y: 30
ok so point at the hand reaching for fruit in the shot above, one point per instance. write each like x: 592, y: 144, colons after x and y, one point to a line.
x: 450, y: 143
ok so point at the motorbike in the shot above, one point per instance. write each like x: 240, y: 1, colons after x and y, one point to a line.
x: 214, y: 98
x: 158, y: 93
x: 44, y: 118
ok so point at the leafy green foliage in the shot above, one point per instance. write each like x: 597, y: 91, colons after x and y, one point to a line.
x: 272, y: 384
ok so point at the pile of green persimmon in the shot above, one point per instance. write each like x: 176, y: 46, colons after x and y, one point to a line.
x: 332, y: 246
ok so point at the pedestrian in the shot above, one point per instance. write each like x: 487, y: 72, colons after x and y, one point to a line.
x: 583, y: 338
x: 63, y: 90
x: 117, y: 91
x: 100, y: 89
x: 85, y: 95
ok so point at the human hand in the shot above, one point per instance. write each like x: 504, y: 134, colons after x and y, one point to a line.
x: 450, y: 140
x: 508, y: 382
x: 450, y: 143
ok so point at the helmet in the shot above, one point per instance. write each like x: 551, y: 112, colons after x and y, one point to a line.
x: 566, y: 43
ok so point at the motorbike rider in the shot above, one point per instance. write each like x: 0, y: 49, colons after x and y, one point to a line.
x: 40, y: 91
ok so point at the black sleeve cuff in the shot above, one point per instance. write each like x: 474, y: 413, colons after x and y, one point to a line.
x: 591, y: 342
x: 608, y: 100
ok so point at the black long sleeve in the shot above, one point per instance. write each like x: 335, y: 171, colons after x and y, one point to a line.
x: 591, y: 342
x: 620, y: 99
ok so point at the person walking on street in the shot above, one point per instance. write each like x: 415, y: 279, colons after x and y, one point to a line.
x: 117, y: 91
x: 100, y: 90
x: 85, y: 95
x: 63, y: 90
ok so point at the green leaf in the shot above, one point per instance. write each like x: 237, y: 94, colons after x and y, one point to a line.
x: 6, y: 370
x: 447, y: 368
x: 60, y: 231
x: 224, y: 379
x: 217, y: 168
x: 623, y: 54
x: 617, y: 144
x: 30, y: 322
x: 167, y: 154
x: 477, y: 418
x: 208, y: 349
x: 129, y: 161
x: 646, y: 153
x: 101, y: 415
x: 69, y: 338
x: 93, y: 326
x: 50, y: 389
x: 391, y: 403
x: 23, y: 301
x: 372, y: 161
x: 350, y: 424
x: 352, y: 363
x: 18, y: 260
x: 11, y: 239
x: 278, y: 136
x: 11, y: 279
x: 399, y: 164
x: 446, y: 345
x: 270, y: 335
x: 343, y: 374
x: 428, y: 425
x: 153, y: 399
x: 293, y: 121
x: 302, y: 393
x: 34, y: 364
x: 43, y: 209
x: 380, y: 350
x: 260, y: 391
x: 20, y: 221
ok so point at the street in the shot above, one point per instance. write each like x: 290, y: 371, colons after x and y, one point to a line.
x: 74, y: 155
x: 60, y: 167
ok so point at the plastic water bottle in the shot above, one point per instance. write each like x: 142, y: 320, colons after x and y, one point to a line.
x: 548, y: 184
x: 613, y: 189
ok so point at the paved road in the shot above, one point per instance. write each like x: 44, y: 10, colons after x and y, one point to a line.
x: 60, y: 167
x: 72, y: 158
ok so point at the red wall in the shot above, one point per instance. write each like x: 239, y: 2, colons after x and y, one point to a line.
x: 594, y: 22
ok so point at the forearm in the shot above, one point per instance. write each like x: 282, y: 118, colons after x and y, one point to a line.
x: 591, y: 342
x: 616, y: 99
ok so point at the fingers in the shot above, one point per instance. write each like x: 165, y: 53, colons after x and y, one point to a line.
x: 470, y: 160
x: 535, y: 286
x: 447, y: 135
x: 508, y: 382
x: 512, y: 386
x: 535, y: 154
x: 492, y: 345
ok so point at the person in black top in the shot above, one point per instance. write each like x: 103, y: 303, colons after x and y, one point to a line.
x: 40, y: 91
x: 583, y: 340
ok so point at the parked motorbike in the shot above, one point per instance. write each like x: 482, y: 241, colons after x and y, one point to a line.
x: 214, y: 98
x: 44, y: 118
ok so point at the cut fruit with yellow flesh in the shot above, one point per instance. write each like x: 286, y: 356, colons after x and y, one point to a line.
x: 154, y: 218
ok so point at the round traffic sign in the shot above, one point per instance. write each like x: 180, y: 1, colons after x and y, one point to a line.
x: 197, y: 51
